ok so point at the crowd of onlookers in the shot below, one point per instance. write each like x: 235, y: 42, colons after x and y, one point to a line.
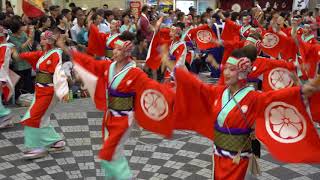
x: 73, y: 23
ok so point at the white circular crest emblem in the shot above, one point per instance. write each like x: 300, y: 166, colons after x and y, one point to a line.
x: 279, y: 78
x: 284, y: 123
x: 204, y: 36
x: 270, y: 40
x: 254, y: 68
x: 244, y: 108
x: 154, y: 105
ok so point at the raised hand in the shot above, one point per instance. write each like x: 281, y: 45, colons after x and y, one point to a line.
x: 212, y: 61
x: 158, y: 24
x: 65, y: 98
x: 311, y: 87
x: 166, y: 63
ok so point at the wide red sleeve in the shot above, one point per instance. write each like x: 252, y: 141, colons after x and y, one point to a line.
x: 314, y: 102
x: 31, y: 57
x: 285, y: 128
x: 270, y: 64
x: 310, y: 57
x: 229, y: 46
x: 92, y: 72
x: 193, y: 109
x: 160, y: 38
x: 290, y: 49
x: 97, y: 41
x: 153, y: 104
x: 96, y: 67
x: 231, y: 31
x: 263, y: 65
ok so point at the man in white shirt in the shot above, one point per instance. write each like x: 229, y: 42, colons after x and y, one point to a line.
x: 104, y: 27
x: 77, y: 11
x: 77, y: 28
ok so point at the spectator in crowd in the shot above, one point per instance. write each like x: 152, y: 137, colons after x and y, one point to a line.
x: 54, y: 13
x: 105, y: 7
x: 96, y: 19
x: 170, y: 19
x: 43, y: 25
x: 103, y: 26
x: 209, y: 13
x: 77, y: 11
x: 45, y: 6
x: 9, y: 9
x: 23, y: 43
x: 82, y: 37
x: 62, y: 24
x: 116, y: 13
x: 108, y: 17
x: 180, y: 17
x: 196, y: 21
x: 317, y: 16
x: 72, y: 5
x: 192, y: 11
x: 114, y: 27
x: 67, y: 13
x: 144, y: 24
x: 128, y: 24
x: 75, y: 30
x: 153, y: 13
x: 140, y: 50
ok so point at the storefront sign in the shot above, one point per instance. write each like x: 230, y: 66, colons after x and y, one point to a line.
x: 135, y: 7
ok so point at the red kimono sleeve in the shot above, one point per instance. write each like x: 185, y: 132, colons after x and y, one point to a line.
x: 310, y: 57
x: 270, y: 64
x: 153, y: 103
x: 285, y: 128
x: 31, y: 57
x: 97, y: 41
x: 231, y: 31
x: 314, y: 102
x: 229, y: 46
x: 194, y: 101
x: 290, y: 49
x: 97, y: 69
x: 162, y: 37
x: 263, y: 65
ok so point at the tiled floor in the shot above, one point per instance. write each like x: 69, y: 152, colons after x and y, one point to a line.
x: 186, y: 156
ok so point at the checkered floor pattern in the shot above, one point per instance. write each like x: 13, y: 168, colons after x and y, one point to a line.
x: 186, y: 156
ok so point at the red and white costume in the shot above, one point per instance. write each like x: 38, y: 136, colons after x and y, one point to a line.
x: 46, y: 94
x: 233, y: 117
x: 7, y: 77
x: 275, y: 74
x: 51, y: 86
x: 123, y: 96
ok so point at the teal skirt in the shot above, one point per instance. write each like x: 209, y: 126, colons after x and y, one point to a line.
x: 40, y: 137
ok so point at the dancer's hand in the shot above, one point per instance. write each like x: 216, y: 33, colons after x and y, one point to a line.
x: 158, y: 24
x: 15, y: 54
x: 166, y: 63
x: 311, y: 87
x: 65, y: 98
x: 212, y: 61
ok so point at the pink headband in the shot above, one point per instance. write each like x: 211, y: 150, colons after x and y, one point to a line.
x: 124, y: 46
x: 47, y: 35
x: 243, y: 64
